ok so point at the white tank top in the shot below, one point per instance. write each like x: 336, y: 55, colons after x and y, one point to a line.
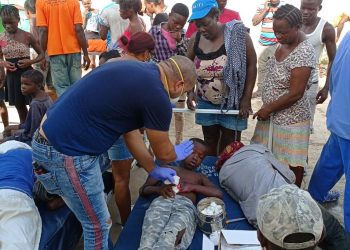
x: 315, y: 39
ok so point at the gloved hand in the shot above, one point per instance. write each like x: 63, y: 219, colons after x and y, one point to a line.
x: 162, y: 174
x: 183, y: 150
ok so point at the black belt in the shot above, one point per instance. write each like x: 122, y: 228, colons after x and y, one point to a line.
x: 41, y: 139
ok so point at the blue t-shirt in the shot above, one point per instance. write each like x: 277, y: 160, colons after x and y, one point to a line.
x: 338, y: 113
x: 114, y: 99
x: 16, y: 171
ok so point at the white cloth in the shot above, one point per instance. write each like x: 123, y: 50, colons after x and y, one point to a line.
x: 9, y: 145
x: 20, y: 221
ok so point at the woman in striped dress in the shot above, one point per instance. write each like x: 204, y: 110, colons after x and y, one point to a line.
x: 283, y: 94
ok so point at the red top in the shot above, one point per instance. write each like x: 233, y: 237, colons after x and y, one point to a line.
x: 225, y: 17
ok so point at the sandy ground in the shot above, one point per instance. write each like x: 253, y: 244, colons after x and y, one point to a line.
x: 317, y: 141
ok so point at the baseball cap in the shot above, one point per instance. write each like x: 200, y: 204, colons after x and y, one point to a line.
x: 201, y: 8
x: 288, y: 210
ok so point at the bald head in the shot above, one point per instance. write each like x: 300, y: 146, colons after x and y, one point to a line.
x: 186, y: 67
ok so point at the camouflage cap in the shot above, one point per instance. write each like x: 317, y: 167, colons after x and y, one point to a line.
x: 288, y: 210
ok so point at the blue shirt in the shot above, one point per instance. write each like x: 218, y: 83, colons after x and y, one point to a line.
x: 36, y: 113
x: 113, y: 99
x: 338, y: 113
x: 16, y: 171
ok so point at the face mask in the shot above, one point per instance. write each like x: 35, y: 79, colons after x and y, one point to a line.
x: 173, y: 101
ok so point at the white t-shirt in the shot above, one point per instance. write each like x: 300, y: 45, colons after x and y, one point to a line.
x: 110, y: 17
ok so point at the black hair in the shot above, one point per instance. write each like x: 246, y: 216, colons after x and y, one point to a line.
x: 29, y: 5
x: 135, y: 5
x: 160, y: 18
x: 109, y: 55
x: 156, y: 2
x: 181, y: 9
x: 200, y: 141
x: 35, y: 76
x: 9, y: 11
x: 289, y: 13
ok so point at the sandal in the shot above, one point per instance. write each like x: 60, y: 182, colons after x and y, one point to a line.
x: 332, y: 196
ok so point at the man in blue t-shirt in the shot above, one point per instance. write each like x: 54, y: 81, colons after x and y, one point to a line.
x: 335, y: 157
x: 115, y: 99
x: 20, y: 219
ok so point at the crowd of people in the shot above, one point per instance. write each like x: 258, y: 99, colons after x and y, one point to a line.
x: 148, y: 64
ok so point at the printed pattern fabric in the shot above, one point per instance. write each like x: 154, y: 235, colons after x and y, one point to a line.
x: 277, y: 83
x: 164, y: 219
x: 12, y: 48
x: 209, y: 69
x: 162, y: 49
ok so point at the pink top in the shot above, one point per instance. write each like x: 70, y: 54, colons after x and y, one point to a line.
x: 171, y: 40
x: 225, y: 17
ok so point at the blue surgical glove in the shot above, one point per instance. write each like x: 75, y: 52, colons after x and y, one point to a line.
x: 183, y: 150
x: 162, y: 174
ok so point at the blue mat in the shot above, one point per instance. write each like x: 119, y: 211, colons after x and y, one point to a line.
x: 129, y: 238
x: 60, y: 229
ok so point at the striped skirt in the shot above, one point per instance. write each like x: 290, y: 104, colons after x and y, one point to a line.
x: 289, y: 143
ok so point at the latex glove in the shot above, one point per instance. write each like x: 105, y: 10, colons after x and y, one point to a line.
x: 162, y: 174
x: 183, y: 150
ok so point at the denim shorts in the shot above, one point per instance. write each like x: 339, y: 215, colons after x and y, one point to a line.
x: 232, y: 122
x: 119, y: 151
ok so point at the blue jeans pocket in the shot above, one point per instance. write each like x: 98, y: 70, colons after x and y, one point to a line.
x: 49, y: 181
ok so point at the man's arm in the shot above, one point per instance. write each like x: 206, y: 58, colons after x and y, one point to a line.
x: 79, y: 32
x: 328, y: 38
x: 261, y: 13
x: 206, y: 188
x: 138, y: 149
x: 161, y: 145
x: 103, y: 30
x: 43, y: 34
x: 340, y: 25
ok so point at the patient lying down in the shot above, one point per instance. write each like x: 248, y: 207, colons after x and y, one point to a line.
x: 170, y: 221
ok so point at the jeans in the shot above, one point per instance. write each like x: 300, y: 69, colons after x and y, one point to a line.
x: 119, y: 151
x: 65, y: 70
x: 333, y: 163
x: 78, y: 181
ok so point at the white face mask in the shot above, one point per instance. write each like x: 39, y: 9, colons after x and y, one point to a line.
x: 173, y: 101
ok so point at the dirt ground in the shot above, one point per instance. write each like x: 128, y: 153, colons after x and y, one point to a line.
x: 317, y: 140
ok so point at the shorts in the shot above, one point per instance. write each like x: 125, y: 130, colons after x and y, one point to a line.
x: 119, y: 151
x: 233, y: 122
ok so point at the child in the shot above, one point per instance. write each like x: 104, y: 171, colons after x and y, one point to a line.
x: 3, y: 109
x: 32, y: 86
x: 15, y: 48
x: 105, y: 56
x: 171, y: 218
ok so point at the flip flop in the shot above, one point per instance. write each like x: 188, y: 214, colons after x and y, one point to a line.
x: 332, y: 196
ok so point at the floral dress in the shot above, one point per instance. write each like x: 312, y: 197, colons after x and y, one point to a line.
x: 14, y: 51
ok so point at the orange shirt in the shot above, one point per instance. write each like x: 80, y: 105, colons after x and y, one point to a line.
x: 59, y: 16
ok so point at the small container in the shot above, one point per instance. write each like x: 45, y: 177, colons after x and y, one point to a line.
x: 211, y: 223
